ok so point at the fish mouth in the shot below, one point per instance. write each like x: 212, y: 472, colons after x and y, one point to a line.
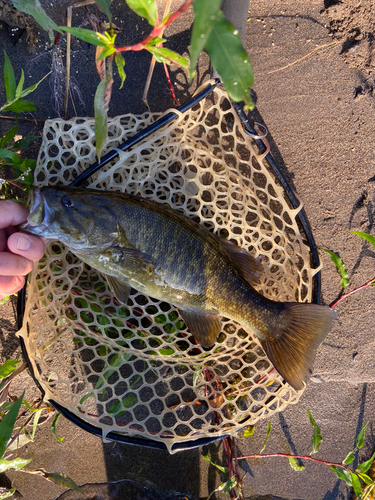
x: 41, y: 215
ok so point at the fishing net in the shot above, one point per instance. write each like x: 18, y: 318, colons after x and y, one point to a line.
x: 136, y: 370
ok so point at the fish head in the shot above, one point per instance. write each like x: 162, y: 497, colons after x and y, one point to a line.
x: 61, y: 213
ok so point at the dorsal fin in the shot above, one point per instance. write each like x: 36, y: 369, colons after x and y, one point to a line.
x: 250, y: 266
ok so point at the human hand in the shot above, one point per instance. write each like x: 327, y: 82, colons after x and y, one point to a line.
x: 18, y: 250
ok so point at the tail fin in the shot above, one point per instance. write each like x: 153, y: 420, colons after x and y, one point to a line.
x: 295, y: 339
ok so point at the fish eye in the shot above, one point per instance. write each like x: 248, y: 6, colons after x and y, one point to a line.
x: 66, y: 202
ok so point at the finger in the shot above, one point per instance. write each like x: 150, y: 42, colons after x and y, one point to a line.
x: 29, y: 246
x: 10, y: 285
x: 3, y: 240
x: 12, y: 213
x: 14, y: 265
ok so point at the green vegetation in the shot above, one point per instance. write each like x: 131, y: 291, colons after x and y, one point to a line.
x: 27, y: 417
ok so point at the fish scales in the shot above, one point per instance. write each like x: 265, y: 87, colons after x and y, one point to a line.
x: 143, y: 244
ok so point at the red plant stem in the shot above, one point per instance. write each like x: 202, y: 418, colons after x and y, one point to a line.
x: 228, y: 456
x: 302, y: 457
x: 3, y: 117
x: 158, y: 30
x: 237, y: 469
x: 10, y: 182
x: 346, y: 295
x: 176, y: 101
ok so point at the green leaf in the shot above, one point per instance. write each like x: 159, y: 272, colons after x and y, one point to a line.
x: 20, y: 85
x: 34, y: 9
x: 231, y: 483
x: 166, y: 352
x: 35, y: 423
x: 20, y: 106
x: 85, y: 397
x: 29, y: 407
x: 128, y: 401
x: 7, y: 155
x: 267, y: 436
x: 8, y: 494
x: 361, y: 437
x: 88, y: 36
x: 249, y: 431
x: 144, y: 8
x: 62, y: 480
x: 342, y: 474
x: 9, y: 136
x: 295, y: 465
x: 364, y: 467
x: 220, y: 467
x: 156, y: 40
x: 24, y: 142
x: 225, y: 487
x: 164, y: 55
x: 120, y: 63
x: 101, y: 110
x: 9, y: 78
x: 53, y: 428
x: 366, y: 479
x: 26, y: 164
x: 106, y: 52
x: 340, y: 268
x: 205, y: 14
x: 367, y: 237
x: 34, y: 86
x: 105, y: 7
x: 16, y: 463
x: 8, y: 367
x: 115, y: 407
x: 7, y: 424
x: 356, y: 484
x: 16, y: 161
x: 349, y: 458
x: 316, y: 438
x: 230, y: 60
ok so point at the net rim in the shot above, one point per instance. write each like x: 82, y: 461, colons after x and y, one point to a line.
x: 190, y: 443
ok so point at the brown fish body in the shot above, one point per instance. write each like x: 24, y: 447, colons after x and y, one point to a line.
x: 143, y: 244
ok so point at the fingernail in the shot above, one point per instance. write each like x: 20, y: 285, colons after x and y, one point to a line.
x: 23, y: 243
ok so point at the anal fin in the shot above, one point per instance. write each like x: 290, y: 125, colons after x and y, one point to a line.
x: 204, y: 327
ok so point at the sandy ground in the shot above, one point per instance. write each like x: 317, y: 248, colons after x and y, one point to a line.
x: 319, y: 113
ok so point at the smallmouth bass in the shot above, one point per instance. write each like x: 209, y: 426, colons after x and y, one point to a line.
x: 143, y: 244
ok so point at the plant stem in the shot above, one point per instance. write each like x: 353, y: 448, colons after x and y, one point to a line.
x: 228, y: 456
x: 158, y: 30
x: 302, y: 457
x: 3, y: 117
x: 346, y: 295
x: 237, y: 469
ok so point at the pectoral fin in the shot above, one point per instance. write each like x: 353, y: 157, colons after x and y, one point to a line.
x: 204, y: 327
x: 119, y: 289
x: 130, y: 259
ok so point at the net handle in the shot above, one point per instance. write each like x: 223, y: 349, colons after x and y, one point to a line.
x: 164, y: 120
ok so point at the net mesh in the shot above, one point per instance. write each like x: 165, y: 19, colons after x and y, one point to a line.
x: 136, y: 369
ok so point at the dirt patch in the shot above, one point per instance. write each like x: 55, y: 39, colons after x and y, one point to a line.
x: 353, y: 22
